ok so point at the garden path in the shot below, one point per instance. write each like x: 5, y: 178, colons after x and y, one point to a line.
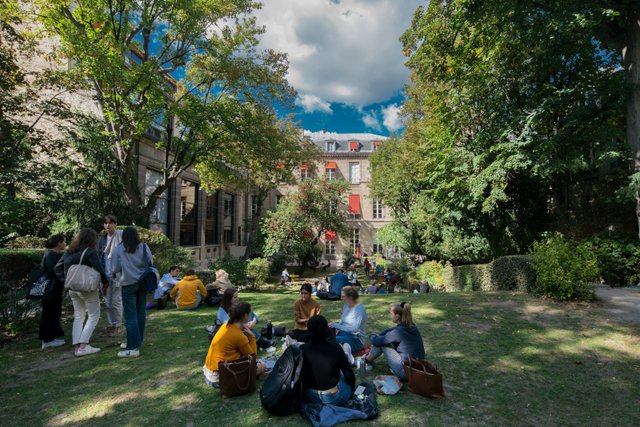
x: 622, y: 303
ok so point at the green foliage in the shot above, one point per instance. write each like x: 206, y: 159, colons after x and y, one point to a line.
x: 430, y: 271
x: 347, y: 253
x: 258, y: 268
x: 618, y: 256
x: 564, y: 271
x: 507, y: 273
x: 165, y: 253
x: 17, y: 315
x: 278, y: 262
x: 26, y: 242
x: 236, y: 267
x: 403, y: 267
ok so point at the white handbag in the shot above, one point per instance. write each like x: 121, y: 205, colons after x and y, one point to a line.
x: 82, y: 278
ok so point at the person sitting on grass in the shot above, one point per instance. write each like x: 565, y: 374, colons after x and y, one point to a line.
x: 190, y: 292
x: 285, y: 277
x: 166, y: 284
x: 323, y: 285
x: 327, y: 377
x: 373, y: 287
x: 303, y: 309
x: 338, y: 281
x: 352, y: 327
x: 229, y: 299
x: 232, y: 341
x: 397, y: 343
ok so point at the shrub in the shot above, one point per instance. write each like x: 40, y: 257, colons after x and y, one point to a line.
x: 402, y: 267
x: 278, y: 262
x: 346, y: 254
x: 430, y: 271
x: 618, y: 256
x: 512, y: 272
x: 165, y: 253
x: 564, y: 271
x: 17, y: 315
x: 258, y: 268
x: 236, y: 267
x: 27, y: 242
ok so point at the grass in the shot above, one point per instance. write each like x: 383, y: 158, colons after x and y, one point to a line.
x: 507, y: 359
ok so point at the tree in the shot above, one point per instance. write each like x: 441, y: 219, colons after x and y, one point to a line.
x: 191, y: 67
x: 512, y: 105
x: 301, y: 218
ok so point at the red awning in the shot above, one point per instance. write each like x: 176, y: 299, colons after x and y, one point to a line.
x: 354, y: 146
x: 304, y: 166
x: 377, y: 143
x: 330, y: 165
x: 354, y: 204
x: 330, y: 235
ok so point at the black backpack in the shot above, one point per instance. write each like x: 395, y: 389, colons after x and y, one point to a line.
x: 282, y: 390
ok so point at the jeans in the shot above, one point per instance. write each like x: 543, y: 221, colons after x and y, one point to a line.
x: 134, y: 299
x: 84, y: 303
x: 394, y: 359
x: 113, y: 304
x: 355, y: 343
x: 343, y: 394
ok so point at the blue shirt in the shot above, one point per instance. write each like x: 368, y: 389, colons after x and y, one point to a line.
x: 338, y: 281
x: 353, y: 320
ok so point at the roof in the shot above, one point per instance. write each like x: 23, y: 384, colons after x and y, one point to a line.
x: 334, y: 136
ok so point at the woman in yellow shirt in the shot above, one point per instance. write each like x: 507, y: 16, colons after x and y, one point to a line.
x: 232, y: 341
x: 303, y: 310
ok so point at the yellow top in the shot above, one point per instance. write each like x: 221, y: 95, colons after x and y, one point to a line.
x: 229, y: 344
x: 305, y: 311
x: 188, y: 288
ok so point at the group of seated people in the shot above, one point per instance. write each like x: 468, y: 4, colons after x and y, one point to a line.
x: 327, y: 347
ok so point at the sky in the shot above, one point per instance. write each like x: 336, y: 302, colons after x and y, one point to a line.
x: 346, y: 60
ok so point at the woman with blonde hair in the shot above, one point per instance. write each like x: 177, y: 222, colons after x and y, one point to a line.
x: 397, y: 343
x: 352, y: 327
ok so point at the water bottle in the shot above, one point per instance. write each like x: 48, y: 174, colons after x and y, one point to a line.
x: 361, y: 365
x: 269, y: 334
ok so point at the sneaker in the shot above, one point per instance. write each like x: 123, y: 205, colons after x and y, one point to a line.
x: 86, y: 351
x: 347, y: 351
x: 210, y: 328
x: 129, y: 353
x: 55, y: 343
x: 270, y: 349
x: 123, y: 345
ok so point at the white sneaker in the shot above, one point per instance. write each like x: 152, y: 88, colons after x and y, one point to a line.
x: 129, y: 353
x: 55, y: 343
x: 270, y: 349
x: 86, y: 351
x: 347, y: 351
x: 123, y: 345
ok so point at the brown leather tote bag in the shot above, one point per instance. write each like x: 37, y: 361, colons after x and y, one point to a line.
x: 424, y: 378
x: 238, y: 376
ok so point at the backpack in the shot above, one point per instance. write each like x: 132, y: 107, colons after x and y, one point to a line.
x: 282, y: 390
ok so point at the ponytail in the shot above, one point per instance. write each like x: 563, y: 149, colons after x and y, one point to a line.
x: 403, y: 309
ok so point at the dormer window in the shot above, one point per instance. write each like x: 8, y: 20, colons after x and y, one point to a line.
x: 354, y: 146
x: 331, y: 146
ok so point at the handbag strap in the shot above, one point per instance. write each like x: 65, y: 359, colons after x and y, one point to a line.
x: 235, y: 374
x: 82, y: 256
x: 145, y: 256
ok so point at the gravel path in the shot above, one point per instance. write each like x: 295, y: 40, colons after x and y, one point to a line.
x: 622, y: 303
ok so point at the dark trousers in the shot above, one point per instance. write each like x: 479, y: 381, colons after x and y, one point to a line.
x: 134, y: 301
x: 50, y: 328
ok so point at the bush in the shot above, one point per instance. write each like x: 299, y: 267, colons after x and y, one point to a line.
x: 564, y: 271
x: 402, y: 267
x: 27, y: 242
x: 258, y: 268
x: 278, y: 262
x: 165, y: 254
x: 17, y: 315
x: 618, y: 256
x: 347, y: 253
x: 236, y: 268
x: 507, y: 273
x: 430, y: 271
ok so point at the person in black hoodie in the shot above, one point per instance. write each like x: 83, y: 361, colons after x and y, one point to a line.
x: 51, y: 332
x: 326, y: 373
x: 398, y: 343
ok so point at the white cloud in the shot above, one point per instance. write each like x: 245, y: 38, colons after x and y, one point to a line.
x: 344, y: 51
x: 391, y: 117
x: 371, y: 120
x: 311, y: 103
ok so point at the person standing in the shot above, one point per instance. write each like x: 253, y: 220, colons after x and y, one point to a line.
x: 82, y: 250
x: 131, y: 259
x: 113, y: 298
x: 51, y: 332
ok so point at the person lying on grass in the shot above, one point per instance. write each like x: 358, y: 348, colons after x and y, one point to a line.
x: 397, y: 343
x: 232, y: 341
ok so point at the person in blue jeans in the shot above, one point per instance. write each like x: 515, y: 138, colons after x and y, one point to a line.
x: 326, y: 374
x: 338, y: 281
x: 131, y: 259
x: 398, y: 343
x: 352, y: 327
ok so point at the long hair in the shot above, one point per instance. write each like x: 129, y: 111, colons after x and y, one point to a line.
x: 227, y: 299
x: 238, y: 311
x: 403, y: 309
x: 86, y: 238
x: 130, y: 239
x: 53, y: 241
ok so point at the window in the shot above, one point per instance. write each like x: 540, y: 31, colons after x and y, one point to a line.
x: 376, y: 145
x: 330, y: 247
x: 354, y: 172
x: 188, y: 213
x: 331, y: 174
x: 354, y: 206
x: 331, y: 146
x: 354, y: 239
x: 254, y: 206
x: 354, y: 146
x: 377, y: 209
x: 211, y: 220
x: 278, y: 199
x: 305, y: 174
x: 160, y: 215
x: 228, y: 221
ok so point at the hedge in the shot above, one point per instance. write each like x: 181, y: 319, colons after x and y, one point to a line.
x: 512, y: 272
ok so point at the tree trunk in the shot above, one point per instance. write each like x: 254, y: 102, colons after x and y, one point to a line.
x: 631, y: 61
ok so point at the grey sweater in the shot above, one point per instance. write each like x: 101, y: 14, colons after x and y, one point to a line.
x: 130, y: 265
x: 406, y: 340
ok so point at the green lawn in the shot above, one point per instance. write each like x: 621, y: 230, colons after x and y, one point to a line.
x: 507, y: 359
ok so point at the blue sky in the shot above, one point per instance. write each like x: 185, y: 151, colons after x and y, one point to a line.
x: 345, y: 58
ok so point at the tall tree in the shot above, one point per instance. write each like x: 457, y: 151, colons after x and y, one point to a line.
x: 191, y: 67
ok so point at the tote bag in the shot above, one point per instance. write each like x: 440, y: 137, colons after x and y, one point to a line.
x: 237, y: 377
x: 424, y: 378
x: 82, y: 278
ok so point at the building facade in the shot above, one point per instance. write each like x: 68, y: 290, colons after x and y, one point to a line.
x: 347, y: 156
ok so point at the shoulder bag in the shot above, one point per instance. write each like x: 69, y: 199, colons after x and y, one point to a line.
x: 237, y: 377
x: 40, y: 284
x: 151, y: 276
x: 82, y: 278
x: 424, y: 378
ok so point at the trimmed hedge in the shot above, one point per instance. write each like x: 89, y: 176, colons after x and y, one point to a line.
x: 507, y: 273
